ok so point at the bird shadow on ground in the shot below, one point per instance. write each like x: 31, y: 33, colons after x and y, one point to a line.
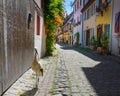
x: 30, y: 92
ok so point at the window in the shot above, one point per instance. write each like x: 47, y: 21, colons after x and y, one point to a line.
x: 80, y: 18
x: 75, y: 7
x: 88, y: 14
x: 74, y: 22
x: 85, y: 16
x: 98, y: 2
x: 92, y: 9
x: 83, y: 2
x: 29, y: 20
x: 108, y: 1
x: 38, y: 25
x: 117, y: 23
x: 86, y: 1
x: 80, y: 2
x: 77, y: 4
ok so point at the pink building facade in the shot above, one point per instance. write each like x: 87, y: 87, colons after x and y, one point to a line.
x: 115, y: 28
x: 77, y: 19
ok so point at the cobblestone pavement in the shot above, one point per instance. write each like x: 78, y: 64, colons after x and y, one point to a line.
x: 26, y: 84
x: 73, y: 73
x: 90, y: 74
x: 45, y: 85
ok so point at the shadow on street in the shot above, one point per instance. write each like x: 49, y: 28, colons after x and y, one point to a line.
x: 30, y: 92
x: 104, y: 77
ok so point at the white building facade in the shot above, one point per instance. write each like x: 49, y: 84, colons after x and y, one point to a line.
x: 115, y: 28
x: 40, y: 36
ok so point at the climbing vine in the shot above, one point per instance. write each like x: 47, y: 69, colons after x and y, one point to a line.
x: 53, y: 17
x: 77, y: 38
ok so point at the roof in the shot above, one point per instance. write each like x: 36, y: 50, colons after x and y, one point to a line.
x: 74, y: 2
x: 67, y: 18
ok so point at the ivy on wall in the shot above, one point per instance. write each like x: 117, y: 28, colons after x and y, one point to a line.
x: 53, y: 17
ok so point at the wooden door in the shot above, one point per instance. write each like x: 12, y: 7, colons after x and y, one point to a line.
x: 87, y: 37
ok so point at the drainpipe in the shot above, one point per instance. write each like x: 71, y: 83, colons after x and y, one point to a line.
x: 119, y: 49
x: 111, y: 21
x: 82, y: 31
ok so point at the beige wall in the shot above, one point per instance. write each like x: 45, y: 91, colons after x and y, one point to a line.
x: 90, y: 23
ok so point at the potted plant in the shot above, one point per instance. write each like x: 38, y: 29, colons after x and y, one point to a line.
x: 99, y: 46
x: 77, y: 38
x: 105, y: 44
x: 92, y: 43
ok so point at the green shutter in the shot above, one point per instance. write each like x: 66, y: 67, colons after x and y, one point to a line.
x: 108, y: 30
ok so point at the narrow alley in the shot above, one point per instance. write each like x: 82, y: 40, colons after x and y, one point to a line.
x: 59, y: 48
x: 73, y: 72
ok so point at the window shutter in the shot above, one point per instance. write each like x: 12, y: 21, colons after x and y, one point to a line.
x: 80, y: 18
x: 97, y: 3
x: 92, y: 32
x: 38, y: 25
x: 108, y: 1
x: 107, y: 29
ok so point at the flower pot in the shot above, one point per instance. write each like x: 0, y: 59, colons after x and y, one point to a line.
x: 105, y: 51
x: 92, y: 47
x: 100, y: 50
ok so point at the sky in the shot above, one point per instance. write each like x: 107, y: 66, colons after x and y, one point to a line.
x: 68, y: 7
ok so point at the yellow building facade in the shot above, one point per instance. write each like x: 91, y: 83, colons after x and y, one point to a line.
x: 103, y: 16
x: 89, y: 23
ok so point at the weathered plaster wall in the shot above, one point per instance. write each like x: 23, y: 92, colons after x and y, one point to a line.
x: 16, y: 40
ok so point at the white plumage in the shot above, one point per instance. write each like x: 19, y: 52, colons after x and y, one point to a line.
x: 36, y: 66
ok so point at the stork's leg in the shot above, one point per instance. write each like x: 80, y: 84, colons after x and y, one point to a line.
x: 37, y: 80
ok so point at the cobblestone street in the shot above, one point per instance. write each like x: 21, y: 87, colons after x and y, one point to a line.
x: 89, y: 74
x: 72, y: 72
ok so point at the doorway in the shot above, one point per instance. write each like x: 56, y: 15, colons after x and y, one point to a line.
x: 87, y: 37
